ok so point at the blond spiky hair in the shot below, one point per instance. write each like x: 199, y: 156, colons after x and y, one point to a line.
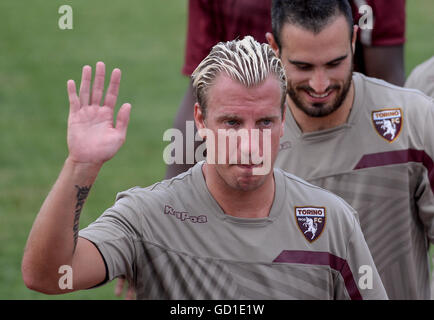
x: 246, y: 61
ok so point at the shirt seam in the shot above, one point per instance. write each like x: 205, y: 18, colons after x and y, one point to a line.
x: 361, y: 169
x: 216, y: 258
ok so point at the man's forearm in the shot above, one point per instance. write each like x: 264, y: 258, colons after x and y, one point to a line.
x: 53, y: 238
x: 385, y: 62
x: 82, y: 193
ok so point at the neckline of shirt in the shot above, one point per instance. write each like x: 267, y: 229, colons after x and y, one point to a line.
x: 214, y: 207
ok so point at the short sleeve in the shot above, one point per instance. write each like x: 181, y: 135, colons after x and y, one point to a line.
x: 116, y: 234
x: 422, y: 78
x: 210, y: 22
x: 388, y: 22
x: 201, y: 34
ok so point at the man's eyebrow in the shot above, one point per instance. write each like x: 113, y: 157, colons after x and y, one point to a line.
x: 338, y: 59
x: 299, y: 62
x: 296, y: 62
x: 270, y: 117
x: 228, y: 116
x: 236, y: 117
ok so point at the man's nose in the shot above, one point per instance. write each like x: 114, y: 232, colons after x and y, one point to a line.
x: 319, y: 81
x: 249, y: 146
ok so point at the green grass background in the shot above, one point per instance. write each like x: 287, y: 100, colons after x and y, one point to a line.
x: 146, y: 40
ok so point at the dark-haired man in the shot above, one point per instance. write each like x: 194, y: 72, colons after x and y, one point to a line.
x: 379, y: 50
x: 364, y: 139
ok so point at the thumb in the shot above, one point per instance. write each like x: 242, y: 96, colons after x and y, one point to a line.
x: 123, y: 118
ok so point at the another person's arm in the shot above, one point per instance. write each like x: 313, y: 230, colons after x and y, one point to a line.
x: 92, y: 140
x: 385, y: 62
x: 184, y: 114
x: 381, y: 46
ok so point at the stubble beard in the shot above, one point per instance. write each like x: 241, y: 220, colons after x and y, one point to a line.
x: 318, y: 110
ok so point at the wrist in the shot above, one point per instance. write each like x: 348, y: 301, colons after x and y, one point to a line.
x: 84, y: 171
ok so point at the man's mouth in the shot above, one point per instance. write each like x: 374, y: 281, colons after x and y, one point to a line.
x: 318, y: 98
x: 314, y: 95
x: 249, y: 166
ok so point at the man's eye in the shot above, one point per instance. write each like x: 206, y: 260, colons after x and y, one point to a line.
x: 303, y: 67
x: 231, y: 122
x: 266, y: 122
x: 334, y: 64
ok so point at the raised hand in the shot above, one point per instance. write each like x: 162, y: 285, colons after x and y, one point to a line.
x: 92, y: 137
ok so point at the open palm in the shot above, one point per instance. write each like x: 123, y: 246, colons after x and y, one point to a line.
x: 92, y: 136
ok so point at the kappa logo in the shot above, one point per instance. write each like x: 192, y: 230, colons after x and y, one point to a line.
x: 388, y: 123
x: 184, y: 215
x: 311, y: 221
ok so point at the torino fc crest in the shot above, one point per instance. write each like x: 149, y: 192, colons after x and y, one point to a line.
x: 311, y: 221
x: 388, y: 123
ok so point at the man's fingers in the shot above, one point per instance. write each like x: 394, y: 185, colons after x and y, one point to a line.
x: 98, y: 84
x: 86, y: 77
x: 74, y: 102
x: 113, y: 89
x: 131, y: 293
x: 123, y: 118
x: 119, y: 287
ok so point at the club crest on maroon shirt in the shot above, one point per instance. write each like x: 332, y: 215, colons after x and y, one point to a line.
x: 311, y: 221
x: 388, y: 123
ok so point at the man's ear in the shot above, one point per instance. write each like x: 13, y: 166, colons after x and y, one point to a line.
x: 199, y: 119
x: 353, y: 40
x: 282, y: 128
x: 272, y: 42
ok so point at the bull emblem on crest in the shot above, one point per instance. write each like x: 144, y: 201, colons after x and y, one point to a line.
x: 311, y: 227
x: 389, y: 127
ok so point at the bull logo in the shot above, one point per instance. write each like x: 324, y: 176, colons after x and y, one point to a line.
x: 390, y: 128
x: 388, y: 123
x: 312, y: 227
x: 311, y: 221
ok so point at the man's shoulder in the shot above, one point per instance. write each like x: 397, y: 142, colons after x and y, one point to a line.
x: 381, y: 90
x: 379, y: 95
x: 294, y: 181
x: 305, y: 193
x: 422, y: 77
x: 423, y: 69
x: 164, y: 189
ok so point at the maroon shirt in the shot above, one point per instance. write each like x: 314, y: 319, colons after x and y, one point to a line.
x: 212, y: 21
x: 389, y: 22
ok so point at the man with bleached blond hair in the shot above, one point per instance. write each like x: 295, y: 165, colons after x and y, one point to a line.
x: 217, y: 231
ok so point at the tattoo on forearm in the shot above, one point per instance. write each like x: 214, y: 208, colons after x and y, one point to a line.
x: 82, y: 193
